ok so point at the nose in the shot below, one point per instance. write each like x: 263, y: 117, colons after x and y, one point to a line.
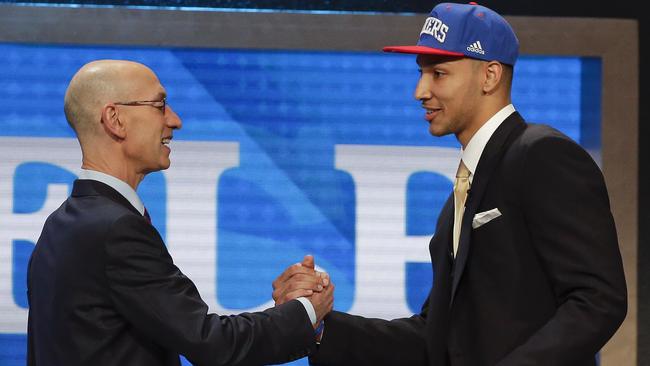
x: 173, y: 120
x: 423, y: 88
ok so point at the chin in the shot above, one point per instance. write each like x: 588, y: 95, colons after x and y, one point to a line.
x: 438, y: 133
x: 162, y: 165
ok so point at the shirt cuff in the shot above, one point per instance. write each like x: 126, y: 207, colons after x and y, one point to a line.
x: 309, y: 308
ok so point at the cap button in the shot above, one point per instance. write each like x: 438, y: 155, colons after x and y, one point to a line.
x: 472, y: 3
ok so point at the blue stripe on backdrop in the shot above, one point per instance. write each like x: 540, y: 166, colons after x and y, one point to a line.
x: 318, y: 6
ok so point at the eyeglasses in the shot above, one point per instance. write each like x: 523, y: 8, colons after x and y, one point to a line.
x: 158, y: 104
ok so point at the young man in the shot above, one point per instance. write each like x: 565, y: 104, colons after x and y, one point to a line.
x: 525, y: 254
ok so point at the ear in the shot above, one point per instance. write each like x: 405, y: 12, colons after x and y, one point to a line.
x: 111, y: 122
x: 493, y: 75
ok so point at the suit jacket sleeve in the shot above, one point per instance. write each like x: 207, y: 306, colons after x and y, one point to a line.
x: 165, y: 306
x: 355, y: 340
x: 567, y: 209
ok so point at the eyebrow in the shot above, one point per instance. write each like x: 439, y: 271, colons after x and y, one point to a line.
x: 160, y: 95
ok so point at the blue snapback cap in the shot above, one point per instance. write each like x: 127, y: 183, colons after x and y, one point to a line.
x: 465, y: 30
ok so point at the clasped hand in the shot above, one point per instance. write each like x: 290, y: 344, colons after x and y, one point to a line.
x: 302, y: 280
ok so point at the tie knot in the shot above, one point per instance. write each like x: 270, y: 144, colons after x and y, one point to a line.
x: 462, y: 172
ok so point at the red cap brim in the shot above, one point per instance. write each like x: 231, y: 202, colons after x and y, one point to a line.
x: 421, y: 50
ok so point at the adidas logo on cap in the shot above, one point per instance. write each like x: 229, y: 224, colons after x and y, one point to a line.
x: 455, y: 29
x: 476, y: 48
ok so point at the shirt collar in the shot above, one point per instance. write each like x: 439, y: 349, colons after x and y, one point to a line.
x: 472, y: 152
x: 118, y: 185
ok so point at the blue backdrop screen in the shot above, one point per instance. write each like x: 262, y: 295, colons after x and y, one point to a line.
x: 281, y: 154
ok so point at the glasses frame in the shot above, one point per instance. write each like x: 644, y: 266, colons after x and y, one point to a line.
x: 161, y: 105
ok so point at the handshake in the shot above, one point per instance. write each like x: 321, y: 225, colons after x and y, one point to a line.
x: 302, y: 280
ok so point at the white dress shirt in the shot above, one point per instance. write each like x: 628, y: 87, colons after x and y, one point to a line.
x: 130, y: 194
x: 474, y: 149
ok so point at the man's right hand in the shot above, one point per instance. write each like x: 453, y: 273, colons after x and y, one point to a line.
x: 301, y: 279
x: 323, y: 302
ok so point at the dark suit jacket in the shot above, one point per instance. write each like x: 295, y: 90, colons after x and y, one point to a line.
x: 542, y: 284
x: 103, y: 290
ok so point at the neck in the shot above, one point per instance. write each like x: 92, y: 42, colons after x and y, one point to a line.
x: 465, y: 136
x: 120, y: 171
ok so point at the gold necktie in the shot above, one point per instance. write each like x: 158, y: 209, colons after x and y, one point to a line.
x: 461, y: 186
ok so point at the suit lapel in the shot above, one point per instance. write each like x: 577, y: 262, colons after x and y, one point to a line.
x: 439, y: 247
x: 440, y: 295
x: 490, y: 158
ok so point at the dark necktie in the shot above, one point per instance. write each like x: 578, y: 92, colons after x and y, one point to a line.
x: 146, y: 216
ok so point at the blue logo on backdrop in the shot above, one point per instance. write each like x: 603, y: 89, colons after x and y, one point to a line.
x: 313, y: 132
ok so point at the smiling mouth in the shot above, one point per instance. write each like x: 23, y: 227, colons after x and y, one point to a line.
x: 430, y: 113
x: 166, y: 140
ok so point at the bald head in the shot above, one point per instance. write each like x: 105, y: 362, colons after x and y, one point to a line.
x: 96, y: 84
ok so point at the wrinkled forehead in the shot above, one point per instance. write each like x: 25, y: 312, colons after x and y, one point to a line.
x: 138, y: 84
x: 142, y: 82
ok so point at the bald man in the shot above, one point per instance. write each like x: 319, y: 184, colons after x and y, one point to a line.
x: 102, y: 288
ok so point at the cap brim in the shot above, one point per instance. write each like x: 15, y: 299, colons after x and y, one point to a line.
x: 421, y: 50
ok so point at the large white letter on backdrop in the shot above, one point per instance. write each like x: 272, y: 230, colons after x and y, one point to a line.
x: 380, y: 175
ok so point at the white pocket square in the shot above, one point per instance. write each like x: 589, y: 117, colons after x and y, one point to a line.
x: 483, y: 218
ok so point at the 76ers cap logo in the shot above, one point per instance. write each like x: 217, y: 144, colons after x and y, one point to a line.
x: 465, y: 30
